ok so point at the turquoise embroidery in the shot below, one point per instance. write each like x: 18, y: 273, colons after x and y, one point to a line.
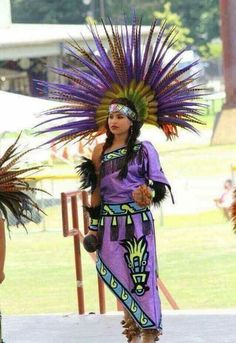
x: 123, y: 294
x: 122, y: 209
x: 118, y: 153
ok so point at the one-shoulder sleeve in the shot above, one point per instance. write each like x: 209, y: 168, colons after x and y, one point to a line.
x: 152, y: 166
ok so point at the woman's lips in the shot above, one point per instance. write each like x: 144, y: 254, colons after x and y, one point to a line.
x: 114, y: 127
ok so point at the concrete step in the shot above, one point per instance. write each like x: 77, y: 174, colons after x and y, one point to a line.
x: 179, y: 327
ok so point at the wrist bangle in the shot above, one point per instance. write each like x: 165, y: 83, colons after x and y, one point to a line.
x: 94, y: 222
x: 93, y: 228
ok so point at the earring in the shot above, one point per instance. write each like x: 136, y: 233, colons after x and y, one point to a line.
x: 131, y: 129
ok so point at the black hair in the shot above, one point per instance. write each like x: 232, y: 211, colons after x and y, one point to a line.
x: 134, y: 132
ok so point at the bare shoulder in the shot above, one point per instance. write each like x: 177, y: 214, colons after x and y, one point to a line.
x: 97, y: 152
x: 98, y: 148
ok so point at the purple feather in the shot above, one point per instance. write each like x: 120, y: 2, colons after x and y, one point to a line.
x: 175, y: 90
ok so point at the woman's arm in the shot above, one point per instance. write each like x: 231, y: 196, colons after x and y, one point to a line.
x: 2, y: 249
x: 90, y: 241
x: 154, y: 190
x: 96, y: 159
x: 95, y: 202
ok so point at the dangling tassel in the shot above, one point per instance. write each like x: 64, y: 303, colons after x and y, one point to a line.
x: 111, y: 166
x: 129, y: 227
x: 114, y: 236
x: 146, y: 224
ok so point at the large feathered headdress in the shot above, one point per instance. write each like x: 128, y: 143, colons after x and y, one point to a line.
x: 163, y: 94
x: 15, y: 191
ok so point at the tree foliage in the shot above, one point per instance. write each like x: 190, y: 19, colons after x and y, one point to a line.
x: 198, y: 20
x: 50, y: 12
x: 174, y: 19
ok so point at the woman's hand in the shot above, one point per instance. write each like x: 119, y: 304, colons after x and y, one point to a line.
x: 92, y: 232
x: 142, y: 195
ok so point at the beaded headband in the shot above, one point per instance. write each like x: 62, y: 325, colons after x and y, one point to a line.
x: 124, y: 110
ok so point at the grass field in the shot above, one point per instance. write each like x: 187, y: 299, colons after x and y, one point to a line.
x: 196, y: 261
x: 196, y: 251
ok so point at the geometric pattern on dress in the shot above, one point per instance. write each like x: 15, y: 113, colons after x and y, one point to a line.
x: 136, y: 258
x: 122, y: 209
x: 124, y: 296
x: 118, y: 153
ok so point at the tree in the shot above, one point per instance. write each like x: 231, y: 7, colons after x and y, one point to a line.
x: 200, y: 17
x: 50, y: 12
x: 173, y: 19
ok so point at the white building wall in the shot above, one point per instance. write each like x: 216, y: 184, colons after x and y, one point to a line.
x: 5, y: 13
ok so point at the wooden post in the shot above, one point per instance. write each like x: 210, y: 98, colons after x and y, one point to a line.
x: 101, y: 296
x: 77, y: 254
x: 76, y: 236
x: 85, y: 216
x: 167, y: 295
x: 225, y: 122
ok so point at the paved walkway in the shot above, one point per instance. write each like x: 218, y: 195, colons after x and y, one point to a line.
x: 180, y: 327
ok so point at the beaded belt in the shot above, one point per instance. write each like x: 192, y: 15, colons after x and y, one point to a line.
x: 128, y: 208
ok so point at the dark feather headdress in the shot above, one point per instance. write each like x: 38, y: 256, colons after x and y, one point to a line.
x: 163, y: 94
x: 15, y: 190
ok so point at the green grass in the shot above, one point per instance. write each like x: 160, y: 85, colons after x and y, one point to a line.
x: 196, y: 261
x: 198, y: 161
x: 196, y: 251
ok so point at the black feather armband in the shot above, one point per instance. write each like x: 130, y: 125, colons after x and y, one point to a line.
x: 91, y: 241
x: 94, y: 214
x: 87, y: 172
x: 158, y: 191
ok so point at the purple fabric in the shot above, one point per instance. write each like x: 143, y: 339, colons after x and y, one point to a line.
x: 112, y: 253
x: 114, y: 190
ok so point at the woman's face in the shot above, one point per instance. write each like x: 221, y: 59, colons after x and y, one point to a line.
x: 118, y: 123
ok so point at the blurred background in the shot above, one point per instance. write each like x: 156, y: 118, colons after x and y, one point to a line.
x: 195, y: 240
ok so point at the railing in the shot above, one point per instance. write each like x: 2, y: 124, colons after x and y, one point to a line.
x: 78, y: 235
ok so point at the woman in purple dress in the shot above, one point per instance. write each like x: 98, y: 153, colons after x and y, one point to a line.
x: 135, y: 83
x: 130, y: 179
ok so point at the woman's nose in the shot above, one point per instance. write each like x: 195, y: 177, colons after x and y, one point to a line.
x: 113, y: 120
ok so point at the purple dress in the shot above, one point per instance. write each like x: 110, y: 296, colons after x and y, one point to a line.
x: 127, y: 260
